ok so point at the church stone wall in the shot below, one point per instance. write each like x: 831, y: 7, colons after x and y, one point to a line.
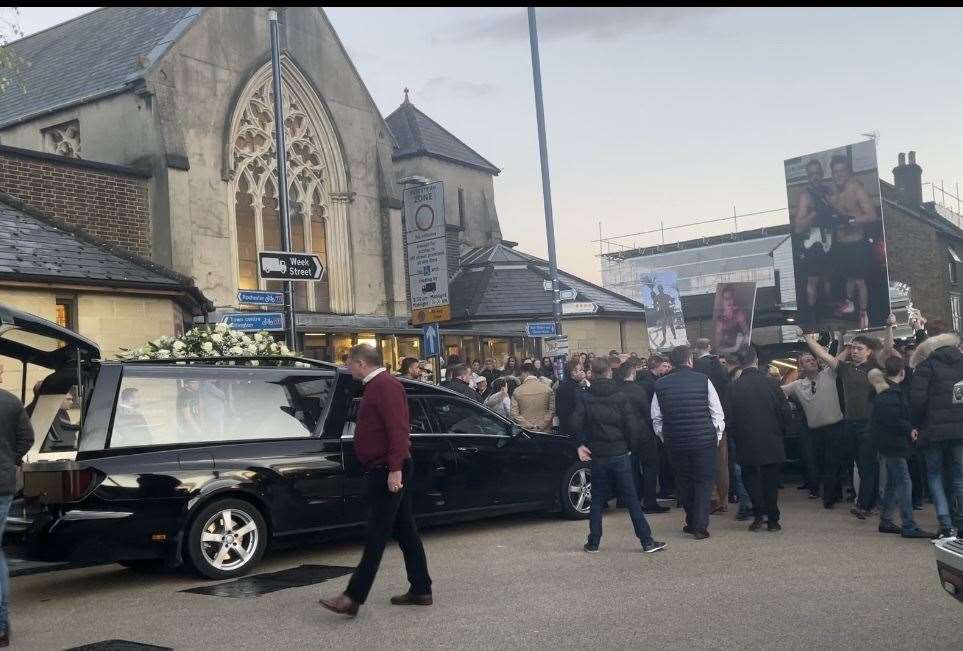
x: 198, y: 82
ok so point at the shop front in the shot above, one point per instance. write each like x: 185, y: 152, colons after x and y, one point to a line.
x: 329, y: 339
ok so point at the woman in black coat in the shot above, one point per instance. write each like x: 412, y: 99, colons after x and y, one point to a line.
x: 893, y: 434
x: 757, y: 415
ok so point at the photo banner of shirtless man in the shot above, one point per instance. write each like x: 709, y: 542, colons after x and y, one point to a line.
x: 732, y: 313
x: 663, y: 310
x: 839, y: 250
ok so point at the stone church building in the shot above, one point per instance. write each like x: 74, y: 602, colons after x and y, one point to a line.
x: 184, y: 96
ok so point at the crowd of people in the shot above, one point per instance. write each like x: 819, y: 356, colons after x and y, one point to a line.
x: 880, y: 425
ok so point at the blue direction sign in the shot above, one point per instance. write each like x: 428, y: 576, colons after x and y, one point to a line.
x: 254, y: 321
x: 543, y: 329
x: 432, y: 341
x: 255, y: 297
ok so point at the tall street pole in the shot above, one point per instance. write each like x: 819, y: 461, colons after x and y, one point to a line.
x: 546, y: 184
x: 290, y: 329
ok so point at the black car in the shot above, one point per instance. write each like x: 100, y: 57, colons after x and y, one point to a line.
x: 205, y: 462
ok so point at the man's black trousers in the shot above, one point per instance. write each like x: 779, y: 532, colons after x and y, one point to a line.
x: 695, y: 478
x: 390, y: 513
x: 646, y: 471
x: 762, y: 484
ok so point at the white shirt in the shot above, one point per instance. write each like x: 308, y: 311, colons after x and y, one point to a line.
x: 715, y: 408
x: 370, y: 376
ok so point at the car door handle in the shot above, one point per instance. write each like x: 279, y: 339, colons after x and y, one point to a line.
x: 467, y: 450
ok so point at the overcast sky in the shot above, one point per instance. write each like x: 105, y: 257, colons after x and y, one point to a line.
x: 652, y: 114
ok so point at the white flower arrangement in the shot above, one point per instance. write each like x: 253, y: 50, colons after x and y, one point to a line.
x: 205, y: 341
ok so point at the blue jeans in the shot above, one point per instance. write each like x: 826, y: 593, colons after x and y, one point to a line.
x: 605, y: 472
x: 935, y: 455
x: 898, y: 492
x: 745, y: 502
x: 4, y: 573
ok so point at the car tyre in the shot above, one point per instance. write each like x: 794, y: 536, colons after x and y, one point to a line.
x: 226, y: 539
x: 575, y: 491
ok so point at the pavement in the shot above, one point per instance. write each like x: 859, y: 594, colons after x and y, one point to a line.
x: 828, y: 581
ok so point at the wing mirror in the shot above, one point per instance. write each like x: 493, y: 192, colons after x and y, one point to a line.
x: 516, y: 430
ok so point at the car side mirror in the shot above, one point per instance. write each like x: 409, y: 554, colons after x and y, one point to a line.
x: 515, y: 430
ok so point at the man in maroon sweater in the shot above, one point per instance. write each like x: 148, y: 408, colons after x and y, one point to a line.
x: 381, y: 443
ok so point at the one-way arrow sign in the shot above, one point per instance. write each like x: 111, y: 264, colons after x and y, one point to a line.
x: 278, y: 265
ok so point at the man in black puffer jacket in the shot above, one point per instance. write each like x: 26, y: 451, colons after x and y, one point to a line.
x: 645, y: 466
x: 608, y: 428
x: 893, y: 433
x: 936, y: 399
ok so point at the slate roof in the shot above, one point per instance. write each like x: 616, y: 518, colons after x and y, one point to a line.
x: 416, y: 134
x: 94, y: 55
x: 36, y: 247
x: 500, y: 282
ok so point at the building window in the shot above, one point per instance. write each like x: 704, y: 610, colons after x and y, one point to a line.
x: 256, y: 202
x: 62, y: 139
x: 461, y: 207
x: 953, y: 259
x: 67, y: 312
x: 955, y: 310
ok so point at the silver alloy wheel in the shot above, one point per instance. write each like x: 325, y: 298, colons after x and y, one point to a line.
x: 229, y: 539
x: 580, y: 490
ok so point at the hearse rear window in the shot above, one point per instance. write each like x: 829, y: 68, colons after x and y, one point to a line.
x: 164, y: 407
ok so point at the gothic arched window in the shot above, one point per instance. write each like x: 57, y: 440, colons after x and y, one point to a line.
x: 312, y: 179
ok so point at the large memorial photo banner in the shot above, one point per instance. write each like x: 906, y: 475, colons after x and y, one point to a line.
x: 663, y: 310
x: 838, y: 243
x: 732, y: 312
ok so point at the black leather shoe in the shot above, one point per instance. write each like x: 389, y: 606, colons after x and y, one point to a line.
x: 409, y: 599
x: 342, y: 604
x: 774, y: 526
x: 688, y: 529
x: 757, y: 524
x: 655, y: 509
x: 889, y: 527
x: 5, y: 637
x: 700, y: 535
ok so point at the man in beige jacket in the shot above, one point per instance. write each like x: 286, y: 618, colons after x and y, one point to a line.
x: 533, y: 403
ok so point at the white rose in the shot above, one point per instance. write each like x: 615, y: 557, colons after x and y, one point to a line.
x: 179, y: 345
x: 221, y: 328
x: 163, y: 353
x: 254, y: 362
x: 217, y: 338
x: 207, y: 347
x: 144, y: 357
x: 236, y: 350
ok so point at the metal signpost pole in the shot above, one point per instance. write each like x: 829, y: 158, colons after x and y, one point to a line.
x: 290, y: 326
x: 546, y: 185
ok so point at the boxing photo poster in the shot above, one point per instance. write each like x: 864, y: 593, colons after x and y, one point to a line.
x: 663, y: 310
x: 838, y: 242
x: 732, y: 315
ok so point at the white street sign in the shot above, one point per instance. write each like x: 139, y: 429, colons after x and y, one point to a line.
x: 555, y: 346
x: 580, y: 307
x: 426, y: 254
x: 567, y: 294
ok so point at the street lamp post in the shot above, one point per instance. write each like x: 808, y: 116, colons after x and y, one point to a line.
x: 546, y: 184
x: 290, y: 329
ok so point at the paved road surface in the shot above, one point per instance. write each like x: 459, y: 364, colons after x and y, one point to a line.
x: 827, y: 581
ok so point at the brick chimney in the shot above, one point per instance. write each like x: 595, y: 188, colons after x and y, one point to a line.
x: 909, y: 181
